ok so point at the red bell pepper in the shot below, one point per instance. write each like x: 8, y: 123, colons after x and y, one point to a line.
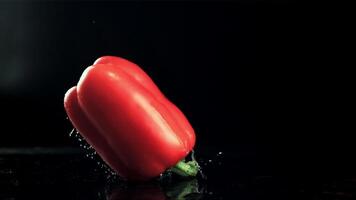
x: 123, y: 115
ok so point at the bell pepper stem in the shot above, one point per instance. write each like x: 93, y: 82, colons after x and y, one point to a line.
x: 183, y: 168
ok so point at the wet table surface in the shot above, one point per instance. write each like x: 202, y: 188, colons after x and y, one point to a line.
x: 69, y: 174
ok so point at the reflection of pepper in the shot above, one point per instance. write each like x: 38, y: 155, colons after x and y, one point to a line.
x: 140, y: 192
x: 135, y: 129
x: 152, y: 191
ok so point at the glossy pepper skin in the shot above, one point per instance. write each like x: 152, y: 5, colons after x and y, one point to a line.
x: 123, y: 115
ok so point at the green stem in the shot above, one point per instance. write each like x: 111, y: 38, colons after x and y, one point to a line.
x: 182, y: 168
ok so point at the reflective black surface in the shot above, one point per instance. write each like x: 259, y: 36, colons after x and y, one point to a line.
x: 68, y: 174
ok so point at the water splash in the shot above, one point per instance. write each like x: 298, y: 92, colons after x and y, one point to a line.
x: 93, y: 155
x: 204, y: 162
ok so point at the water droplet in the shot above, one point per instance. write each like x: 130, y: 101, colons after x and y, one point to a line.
x: 71, y: 133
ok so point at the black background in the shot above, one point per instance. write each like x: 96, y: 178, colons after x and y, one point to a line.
x: 251, y: 77
x: 200, y: 55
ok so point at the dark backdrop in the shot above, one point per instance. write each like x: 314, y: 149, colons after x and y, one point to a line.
x: 199, y: 54
x: 251, y: 77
